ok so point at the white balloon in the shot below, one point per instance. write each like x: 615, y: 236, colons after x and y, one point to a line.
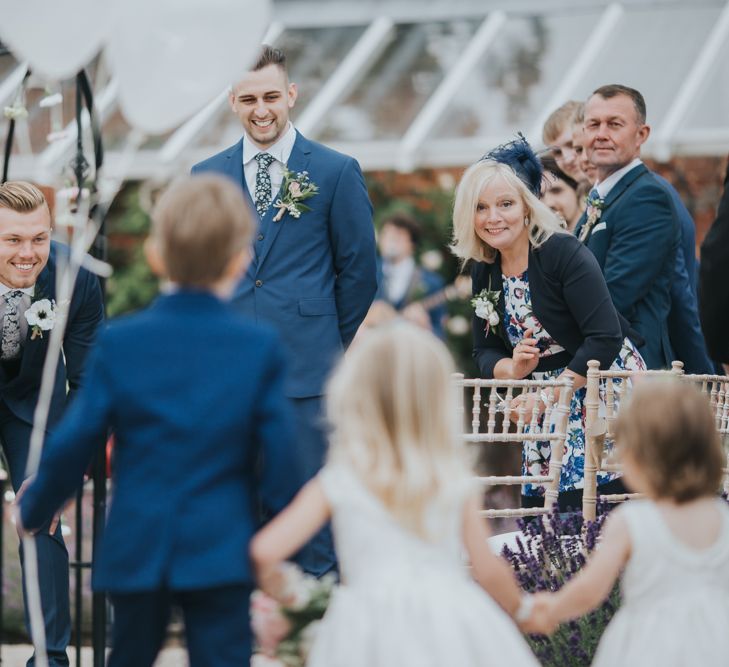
x: 171, y: 57
x: 56, y: 38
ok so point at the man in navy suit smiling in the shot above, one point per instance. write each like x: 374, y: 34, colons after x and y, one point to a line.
x: 631, y: 225
x: 313, y: 273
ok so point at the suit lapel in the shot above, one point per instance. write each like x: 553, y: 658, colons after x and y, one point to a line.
x: 623, y: 184
x: 298, y: 161
x: 617, y: 191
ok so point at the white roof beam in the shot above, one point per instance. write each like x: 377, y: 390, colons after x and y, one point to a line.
x: 692, y: 84
x: 187, y: 132
x: 419, y: 129
x: 348, y: 74
x: 591, y: 50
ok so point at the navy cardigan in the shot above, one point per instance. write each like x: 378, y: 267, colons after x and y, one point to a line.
x: 570, y: 299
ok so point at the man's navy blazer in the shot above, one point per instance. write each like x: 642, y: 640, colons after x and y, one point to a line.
x: 684, y: 326
x: 194, y: 394
x: 314, y: 277
x: 86, y: 311
x: 635, y: 242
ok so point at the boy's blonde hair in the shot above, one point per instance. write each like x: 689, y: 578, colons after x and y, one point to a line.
x: 558, y: 120
x: 21, y: 197
x: 200, y: 223
x: 392, y: 409
x: 667, y: 429
x: 466, y: 243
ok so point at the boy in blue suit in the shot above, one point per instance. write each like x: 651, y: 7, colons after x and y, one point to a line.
x: 195, y: 396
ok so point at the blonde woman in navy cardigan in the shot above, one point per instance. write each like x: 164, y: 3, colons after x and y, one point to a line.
x: 544, y: 309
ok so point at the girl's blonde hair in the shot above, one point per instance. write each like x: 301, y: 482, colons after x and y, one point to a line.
x: 466, y: 244
x: 391, y: 406
x: 666, y: 427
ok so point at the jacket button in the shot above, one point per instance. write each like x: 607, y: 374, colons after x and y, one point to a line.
x: 259, y: 283
x: 260, y: 237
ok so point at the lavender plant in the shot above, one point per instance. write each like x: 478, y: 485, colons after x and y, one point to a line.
x: 551, y: 552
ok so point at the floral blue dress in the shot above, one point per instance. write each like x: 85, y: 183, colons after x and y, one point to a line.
x: 518, y: 317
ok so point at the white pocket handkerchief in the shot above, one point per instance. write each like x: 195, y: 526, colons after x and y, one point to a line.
x: 599, y: 226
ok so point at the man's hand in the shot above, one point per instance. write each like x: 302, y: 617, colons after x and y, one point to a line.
x: 18, y: 522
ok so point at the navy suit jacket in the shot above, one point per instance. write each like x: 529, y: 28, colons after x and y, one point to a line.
x: 194, y: 394
x: 86, y: 311
x: 312, y: 278
x: 684, y: 326
x: 635, y: 243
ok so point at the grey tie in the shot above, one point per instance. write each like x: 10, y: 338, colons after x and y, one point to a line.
x: 11, y: 326
x: 263, y: 195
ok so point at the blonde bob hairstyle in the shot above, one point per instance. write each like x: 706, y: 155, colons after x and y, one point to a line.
x: 466, y: 244
x: 391, y: 407
x: 668, y: 430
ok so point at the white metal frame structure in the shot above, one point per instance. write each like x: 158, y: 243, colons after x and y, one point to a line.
x: 420, y: 144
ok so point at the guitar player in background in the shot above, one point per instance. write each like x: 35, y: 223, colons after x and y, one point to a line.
x: 404, y: 285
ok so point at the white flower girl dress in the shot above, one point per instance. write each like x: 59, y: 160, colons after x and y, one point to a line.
x: 675, y: 610
x: 404, y: 601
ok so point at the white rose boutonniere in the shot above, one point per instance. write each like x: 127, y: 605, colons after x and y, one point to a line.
x: 485, y: 304
x: 41, y: 316
x: 297, y: 187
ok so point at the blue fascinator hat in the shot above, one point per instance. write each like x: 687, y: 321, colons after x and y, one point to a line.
x: 518, y: 155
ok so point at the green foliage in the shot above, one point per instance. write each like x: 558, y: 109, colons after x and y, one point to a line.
x: 432, y: 207
x: 133, y: 285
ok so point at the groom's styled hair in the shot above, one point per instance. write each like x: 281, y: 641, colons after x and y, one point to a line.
x: 270, y: 56
x: 200, y: 223
x: 21, y: 197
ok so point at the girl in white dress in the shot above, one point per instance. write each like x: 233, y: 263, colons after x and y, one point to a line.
x: 673, y: 547
x: 400, y: 496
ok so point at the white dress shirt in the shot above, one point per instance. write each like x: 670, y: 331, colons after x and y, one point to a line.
x: 23, y: 305
x: 281, y: 151
x: 397, y: 278
x: 604, y: 187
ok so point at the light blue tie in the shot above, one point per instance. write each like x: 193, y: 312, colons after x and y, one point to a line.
x: 263, y: 195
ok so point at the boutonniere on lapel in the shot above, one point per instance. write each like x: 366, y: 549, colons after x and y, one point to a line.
x: 41, y: 316
x: 485, y: 304
x: 595, y: 205
x: 297, y: 188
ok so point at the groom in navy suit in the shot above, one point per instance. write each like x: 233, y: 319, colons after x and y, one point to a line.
x: 28, y: 266
x: 631, y: 224
x: 313, y: 273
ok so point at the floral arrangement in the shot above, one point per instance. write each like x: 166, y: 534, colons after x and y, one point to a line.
x: 41, y: 316
x: 595, y: 205
x: 285, y: 631
x: 485, y: 304
x: 551, y: 553
x: 297, y: 187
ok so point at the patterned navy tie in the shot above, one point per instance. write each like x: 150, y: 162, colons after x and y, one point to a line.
x: 263, y: 194
x: 11, y: 326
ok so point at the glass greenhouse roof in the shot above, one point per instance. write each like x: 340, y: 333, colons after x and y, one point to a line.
x: 405, y: 84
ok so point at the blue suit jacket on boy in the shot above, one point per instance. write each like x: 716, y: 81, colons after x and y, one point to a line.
x: 635, y: 242
x: 314, y: 277
x: 194, y: 395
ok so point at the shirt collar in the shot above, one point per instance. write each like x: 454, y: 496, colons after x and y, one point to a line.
x: 4, y: 289
x: 604, y: 187
x: 281, y: 150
